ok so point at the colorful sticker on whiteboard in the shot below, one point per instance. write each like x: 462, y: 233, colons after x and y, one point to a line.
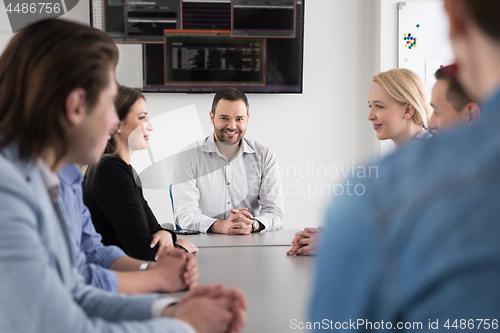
x: 410, y: 41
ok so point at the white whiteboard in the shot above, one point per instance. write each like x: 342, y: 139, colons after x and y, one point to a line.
x: 433, y: 47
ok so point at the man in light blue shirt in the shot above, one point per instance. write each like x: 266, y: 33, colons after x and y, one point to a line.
x: 92, y: 261
x: 108, y: 267
x: 420, y: 250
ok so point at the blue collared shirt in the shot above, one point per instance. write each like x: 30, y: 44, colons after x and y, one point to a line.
x: 422, y: 243
x: 422, y: 136
x: 91, y: 257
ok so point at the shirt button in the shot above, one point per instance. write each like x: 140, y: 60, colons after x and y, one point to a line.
x: 228, y: 203
x: 228, y: 183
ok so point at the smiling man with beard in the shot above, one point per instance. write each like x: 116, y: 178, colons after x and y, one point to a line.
x: 226, y: 183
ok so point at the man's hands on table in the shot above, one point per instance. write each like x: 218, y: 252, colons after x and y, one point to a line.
x: 238, y: 223
x: 211, y: 309
x: 306, y: 242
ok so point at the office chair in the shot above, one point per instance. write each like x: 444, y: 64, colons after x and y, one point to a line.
x: 172, y: 201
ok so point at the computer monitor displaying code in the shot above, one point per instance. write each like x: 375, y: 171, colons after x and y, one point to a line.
x: 213, y: 58
x: 204, y: 45
x: 263, y: 18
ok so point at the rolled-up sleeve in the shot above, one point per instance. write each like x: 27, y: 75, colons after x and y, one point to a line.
x: 272, y: 211
x: 186, y: 196
x: 207, y: 186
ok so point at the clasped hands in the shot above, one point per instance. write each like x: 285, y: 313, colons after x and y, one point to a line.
x: 211, y: 309
x: 177, y: 269
x: 238, y: 223
x: 306, y: 242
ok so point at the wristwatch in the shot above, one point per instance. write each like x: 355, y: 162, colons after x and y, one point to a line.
x: 144, y: 265
x: 255, y: 225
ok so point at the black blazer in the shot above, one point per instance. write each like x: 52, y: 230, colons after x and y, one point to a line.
x: 113, y: 193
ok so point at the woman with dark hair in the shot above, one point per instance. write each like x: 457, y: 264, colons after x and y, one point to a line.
x: 113, y: 192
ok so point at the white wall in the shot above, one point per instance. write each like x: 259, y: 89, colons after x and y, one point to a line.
x: 389, y: 12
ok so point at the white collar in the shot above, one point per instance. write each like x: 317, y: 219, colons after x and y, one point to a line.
x: 50, y: 179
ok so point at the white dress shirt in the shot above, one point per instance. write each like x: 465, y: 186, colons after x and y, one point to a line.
x: 207, y: 186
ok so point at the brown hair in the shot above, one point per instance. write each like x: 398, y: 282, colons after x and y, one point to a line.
x: 230, y: 94
x: 455, y: 94
x: 40, y: 66
x: 485, y: 14
x: 124, y: 101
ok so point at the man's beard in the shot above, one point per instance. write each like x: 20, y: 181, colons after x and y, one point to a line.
x: 220, y: 136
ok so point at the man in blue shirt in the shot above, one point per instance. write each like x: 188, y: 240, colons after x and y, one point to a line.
x: 420, y: 248
x: 108, y: 267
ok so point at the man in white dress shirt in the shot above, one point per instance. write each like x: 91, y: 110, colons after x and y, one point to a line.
x: 226, y: 183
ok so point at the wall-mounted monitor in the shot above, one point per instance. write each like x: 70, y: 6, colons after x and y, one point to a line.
x: 204, y: 45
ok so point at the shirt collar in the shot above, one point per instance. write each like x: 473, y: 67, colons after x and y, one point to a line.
x: 50, y: 180
x: 70, y: 175
x: 246, y: 147
x: 211, y: 147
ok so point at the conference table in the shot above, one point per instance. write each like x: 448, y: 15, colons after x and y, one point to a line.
x: 281, y: 237
x: 277, y: 286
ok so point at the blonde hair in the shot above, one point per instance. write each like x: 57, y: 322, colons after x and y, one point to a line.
x: 407, y: 87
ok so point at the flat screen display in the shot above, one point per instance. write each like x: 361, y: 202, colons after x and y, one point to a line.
x: 203, y: 45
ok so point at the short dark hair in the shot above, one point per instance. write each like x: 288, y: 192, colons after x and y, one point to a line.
x: 124, y: 101
x: 40, y: 66
x: 485, y: 14
x: 229, y: 94
x: 455, y: 94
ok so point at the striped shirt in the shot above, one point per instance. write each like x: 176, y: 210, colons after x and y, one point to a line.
x: 422, y: 136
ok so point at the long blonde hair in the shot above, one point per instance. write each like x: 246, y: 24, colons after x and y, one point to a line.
x: 407, y: 87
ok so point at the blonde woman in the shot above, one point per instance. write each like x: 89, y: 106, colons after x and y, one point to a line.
x: 399, y: 107
x: 400, y: 111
